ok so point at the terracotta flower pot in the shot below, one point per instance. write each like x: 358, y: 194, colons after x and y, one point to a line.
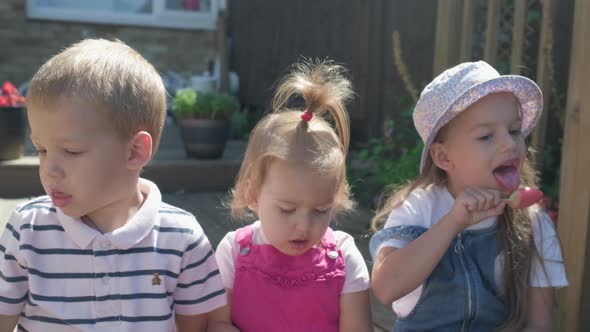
x: 12, y: 132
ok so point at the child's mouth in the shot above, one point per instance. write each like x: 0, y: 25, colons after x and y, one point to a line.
x: 60, y: 199
x: 298, y: 244
x: 507, y: 176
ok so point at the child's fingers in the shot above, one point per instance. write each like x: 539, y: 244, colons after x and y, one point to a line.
x: 494, y: 211
x: 497, y: 198
x: 481, y: 204
x: 469, y: 202
x: 484, y: 199
x: 492, y: 198
x: 500, y: 208
x: 477, y: 199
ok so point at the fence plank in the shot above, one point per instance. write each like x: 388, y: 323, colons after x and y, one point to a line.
x: 221, y: 40
x: 441, y: 45
x: 377, y: 52
x: 467, y: 30
x: 448, y: 32
x: 544, y: 78
x: 269, y: 35
x: 574, y: 207
x: 491, y: 46
x: 520, y: 12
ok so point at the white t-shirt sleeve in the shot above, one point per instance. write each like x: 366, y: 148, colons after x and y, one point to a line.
x: 226, y: 255
x: 357, y: 274
x: 415, y: 210
x: 13, y: 275
x: 549, y: 270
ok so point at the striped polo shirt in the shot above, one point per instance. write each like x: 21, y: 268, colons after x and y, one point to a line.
x: 61, y: 275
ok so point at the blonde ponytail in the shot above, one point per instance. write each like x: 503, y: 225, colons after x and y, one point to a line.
x: 324, y: 88
x: 320, y: 141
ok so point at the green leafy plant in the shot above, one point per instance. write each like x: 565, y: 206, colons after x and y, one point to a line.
x: 240, y: 126
x: 223, y: 105
x: 189, y: 103
x: 184, y: 103
x: 393, y: 159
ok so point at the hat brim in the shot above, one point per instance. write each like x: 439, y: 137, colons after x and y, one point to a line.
x: 526, y: 91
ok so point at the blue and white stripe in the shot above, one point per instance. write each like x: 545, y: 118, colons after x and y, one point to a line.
x: 56, y: 285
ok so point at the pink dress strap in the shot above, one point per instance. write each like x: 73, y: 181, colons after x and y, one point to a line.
x: 329, y: 241
x: 244, y: 236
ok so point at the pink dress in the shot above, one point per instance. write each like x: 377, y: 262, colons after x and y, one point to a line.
x: 277, y: 292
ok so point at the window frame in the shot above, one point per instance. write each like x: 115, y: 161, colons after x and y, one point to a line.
x: 160, y: 18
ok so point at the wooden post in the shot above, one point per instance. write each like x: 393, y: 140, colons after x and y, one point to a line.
x: 467, y: 31
x: 544, y: 79
x: 491, y: 47
x: 448, y: 31
x: 574, y: 207
x: 520, y: 11
x: 221, y: 34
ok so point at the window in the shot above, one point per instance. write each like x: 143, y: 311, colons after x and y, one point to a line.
x: 184, y: 14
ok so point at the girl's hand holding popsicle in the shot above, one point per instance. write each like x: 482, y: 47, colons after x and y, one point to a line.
x: 524, y: 197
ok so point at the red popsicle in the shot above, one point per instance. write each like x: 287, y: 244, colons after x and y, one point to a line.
x: 524, y: 197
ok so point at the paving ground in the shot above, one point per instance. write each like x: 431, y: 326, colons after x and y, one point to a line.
x: 214, y: 219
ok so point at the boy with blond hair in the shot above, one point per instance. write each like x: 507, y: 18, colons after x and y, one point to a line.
x: 101, y: 251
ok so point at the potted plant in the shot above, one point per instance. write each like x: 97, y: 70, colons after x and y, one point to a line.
x: 204, y: 121
x: 12, y: 122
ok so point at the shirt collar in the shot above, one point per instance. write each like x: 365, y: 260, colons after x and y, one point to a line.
x: 135, y: 230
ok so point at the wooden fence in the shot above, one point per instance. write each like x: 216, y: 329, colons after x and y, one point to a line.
x: 514, y: 41
x: 574, y: 301
x: 269, y: 35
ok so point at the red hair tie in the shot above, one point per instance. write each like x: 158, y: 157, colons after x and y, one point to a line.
x: 306, y: 116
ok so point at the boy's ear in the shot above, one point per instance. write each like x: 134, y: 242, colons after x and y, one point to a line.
x: 440, y: 156
x: 140, y: 150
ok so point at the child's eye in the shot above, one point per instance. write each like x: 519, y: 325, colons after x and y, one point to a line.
x: 286, y: 211
x: 40, y: 151
x: 73, y: 152
x: 485, y: 137
x: 321, y: 211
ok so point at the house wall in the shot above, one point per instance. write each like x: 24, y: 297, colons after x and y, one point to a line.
x: 27, y: 43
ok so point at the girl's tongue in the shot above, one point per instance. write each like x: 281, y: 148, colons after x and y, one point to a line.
x: 507, y: 177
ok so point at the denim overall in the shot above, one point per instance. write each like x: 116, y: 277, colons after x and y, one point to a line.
x: 461, y: 293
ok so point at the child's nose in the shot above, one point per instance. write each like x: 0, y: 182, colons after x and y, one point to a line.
x: 304, y: 223
x: 509, y: 142
x: 51, y: 166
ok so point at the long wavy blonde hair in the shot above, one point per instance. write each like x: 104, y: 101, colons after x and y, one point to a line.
x: 318, y: 87
x: 514, y: 236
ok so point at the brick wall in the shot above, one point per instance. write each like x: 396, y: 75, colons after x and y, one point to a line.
x: 26, y: 44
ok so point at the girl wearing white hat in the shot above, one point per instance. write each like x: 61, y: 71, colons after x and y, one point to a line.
x: 452, y: 255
